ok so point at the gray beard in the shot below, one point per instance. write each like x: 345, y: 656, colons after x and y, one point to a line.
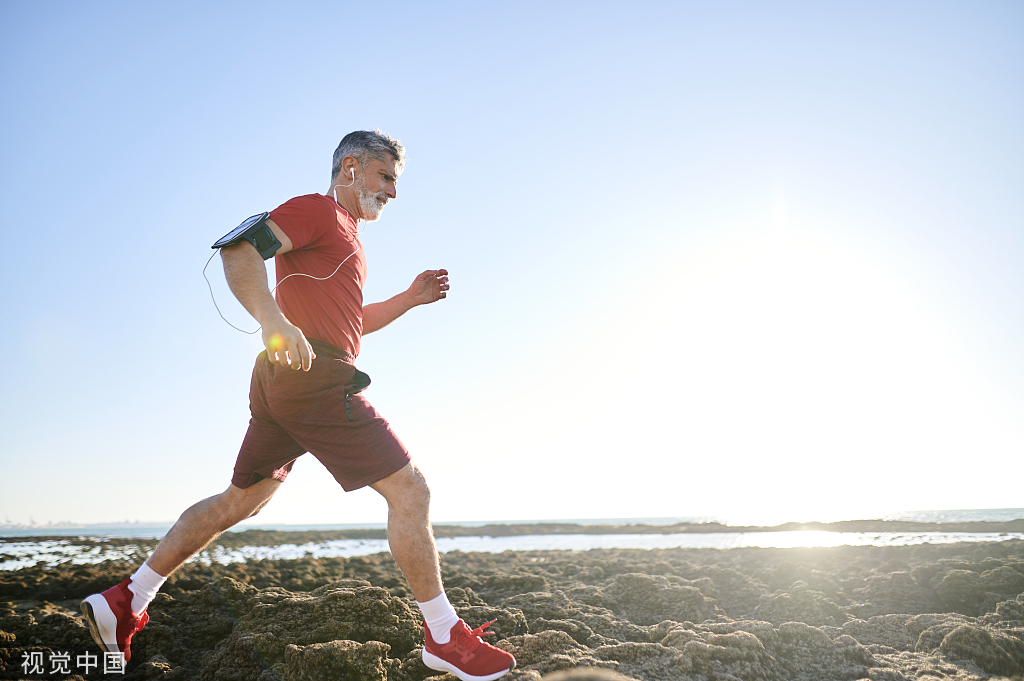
x: 370, y: 205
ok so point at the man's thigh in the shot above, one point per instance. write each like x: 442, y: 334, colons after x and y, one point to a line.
x: 354, y: 442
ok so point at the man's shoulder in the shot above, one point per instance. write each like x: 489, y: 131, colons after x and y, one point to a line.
x: 309, y: 202
x: 315, y: 208
x: 305, y: 219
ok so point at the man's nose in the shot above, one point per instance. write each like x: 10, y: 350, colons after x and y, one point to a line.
x: 391, y: 190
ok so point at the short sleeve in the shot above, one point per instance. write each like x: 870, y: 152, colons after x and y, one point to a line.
x: 304, y: 219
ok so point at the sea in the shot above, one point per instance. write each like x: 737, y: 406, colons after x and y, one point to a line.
x: 64, y: 543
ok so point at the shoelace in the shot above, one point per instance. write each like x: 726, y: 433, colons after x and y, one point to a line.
x: 479, y: 631
x: 142, y: 621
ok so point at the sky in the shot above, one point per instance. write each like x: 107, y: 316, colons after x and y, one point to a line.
x: 751, y: 261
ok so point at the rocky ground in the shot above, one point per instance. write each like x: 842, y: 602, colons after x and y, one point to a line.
x: 953, y: 611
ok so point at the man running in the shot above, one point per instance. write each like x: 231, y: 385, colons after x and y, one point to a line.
x: 306, y: 395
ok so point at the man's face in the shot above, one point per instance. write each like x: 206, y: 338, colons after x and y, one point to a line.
x: 375, y: 186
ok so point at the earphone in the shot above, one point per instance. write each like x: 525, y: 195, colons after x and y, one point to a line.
x: 343, y: 186
x: 293, y: 274
x: 353, y: 172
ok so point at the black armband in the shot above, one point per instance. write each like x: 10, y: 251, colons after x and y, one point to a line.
x: 256, y: 231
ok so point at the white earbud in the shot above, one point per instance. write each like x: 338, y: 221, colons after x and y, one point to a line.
x: 352, y: 172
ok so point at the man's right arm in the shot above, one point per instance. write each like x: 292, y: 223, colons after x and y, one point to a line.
x: 247, y: 276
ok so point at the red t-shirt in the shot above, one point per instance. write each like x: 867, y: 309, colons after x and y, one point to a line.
x: 323, y: 234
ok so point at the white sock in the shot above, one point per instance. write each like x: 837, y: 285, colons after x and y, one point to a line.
x: 440, y: 617
x: 145, y: 583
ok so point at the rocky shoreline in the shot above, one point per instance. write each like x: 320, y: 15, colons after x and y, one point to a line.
x: 894, y: 613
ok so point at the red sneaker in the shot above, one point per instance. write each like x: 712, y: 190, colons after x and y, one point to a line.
x: 466, y: 655
x: 111, y: 620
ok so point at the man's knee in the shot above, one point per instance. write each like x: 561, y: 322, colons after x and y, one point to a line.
x: 406, y: 488
x: 238, y: 504
x: 415, y: 489
x: 422, y: 490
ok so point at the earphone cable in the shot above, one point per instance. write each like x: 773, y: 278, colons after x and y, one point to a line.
x: 293, y: 274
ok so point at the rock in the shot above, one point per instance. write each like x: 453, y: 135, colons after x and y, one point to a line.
x: 739, y: 654
x: 805, y: 653
x: 799, y: 604
x: 56, y: 630
x: 549, y: 651
x: 931, y: 629
x: 579, y: 631
x: 680, y: 637
x: 581, y: 620
x: 961, y: 591
x: 884, y: 674
x: 649, y: 599
x: 1011, y: 612
x: 552, y: 606
x: 648, y: 661
x: 972, y: 643
x: 895, y: 593
x: 660, y: 615
x: 1011, y: 641
x: 736, y: 594
x: 848, y: 647
x: 798, y: 633
x: 1003, y: 580
x: 588, y: 674
x: 514, y: 675
x: 157, y: 667
x: 499, y: 587
x: 340, y: 660
x: 927, y: 576
x: 278, y: 622
x: 887, y: 630
x: 764, y: 631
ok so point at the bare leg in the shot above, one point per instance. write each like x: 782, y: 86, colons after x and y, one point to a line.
x: 203, y: 522
x: 409, y: 533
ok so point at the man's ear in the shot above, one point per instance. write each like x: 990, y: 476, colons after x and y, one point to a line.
x: 348, y: 167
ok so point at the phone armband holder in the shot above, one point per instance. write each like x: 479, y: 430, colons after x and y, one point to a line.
x: 256, y: 231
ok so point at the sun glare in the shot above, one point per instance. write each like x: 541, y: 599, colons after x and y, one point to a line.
x: 810, y: 354
x: 801, y: 372
x: 773, y: 376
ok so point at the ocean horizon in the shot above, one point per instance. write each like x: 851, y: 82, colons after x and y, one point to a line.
x: 156, y: 530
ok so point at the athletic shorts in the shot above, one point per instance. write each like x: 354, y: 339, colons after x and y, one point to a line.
x: 320, y: 411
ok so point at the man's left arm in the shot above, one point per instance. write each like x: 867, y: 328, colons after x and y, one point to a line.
x: 429, y: 287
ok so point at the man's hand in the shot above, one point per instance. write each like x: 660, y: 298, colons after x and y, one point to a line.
x: 287, y: 346
x: 429, y: 287
x: 247, y: 277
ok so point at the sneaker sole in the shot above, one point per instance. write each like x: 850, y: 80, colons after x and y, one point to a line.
x: 100, y: 617
x: 440, y: 665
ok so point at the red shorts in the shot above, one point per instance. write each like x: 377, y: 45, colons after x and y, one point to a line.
x: 318, y: 411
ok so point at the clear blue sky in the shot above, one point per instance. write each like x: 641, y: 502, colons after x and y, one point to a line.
x: 752, y: 260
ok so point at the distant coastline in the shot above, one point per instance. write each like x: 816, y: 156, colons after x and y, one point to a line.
x: 947, y: 520
x: 275, y: 537
x: 263, y: 537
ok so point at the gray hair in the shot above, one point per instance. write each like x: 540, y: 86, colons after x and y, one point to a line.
x: 362, y: 145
